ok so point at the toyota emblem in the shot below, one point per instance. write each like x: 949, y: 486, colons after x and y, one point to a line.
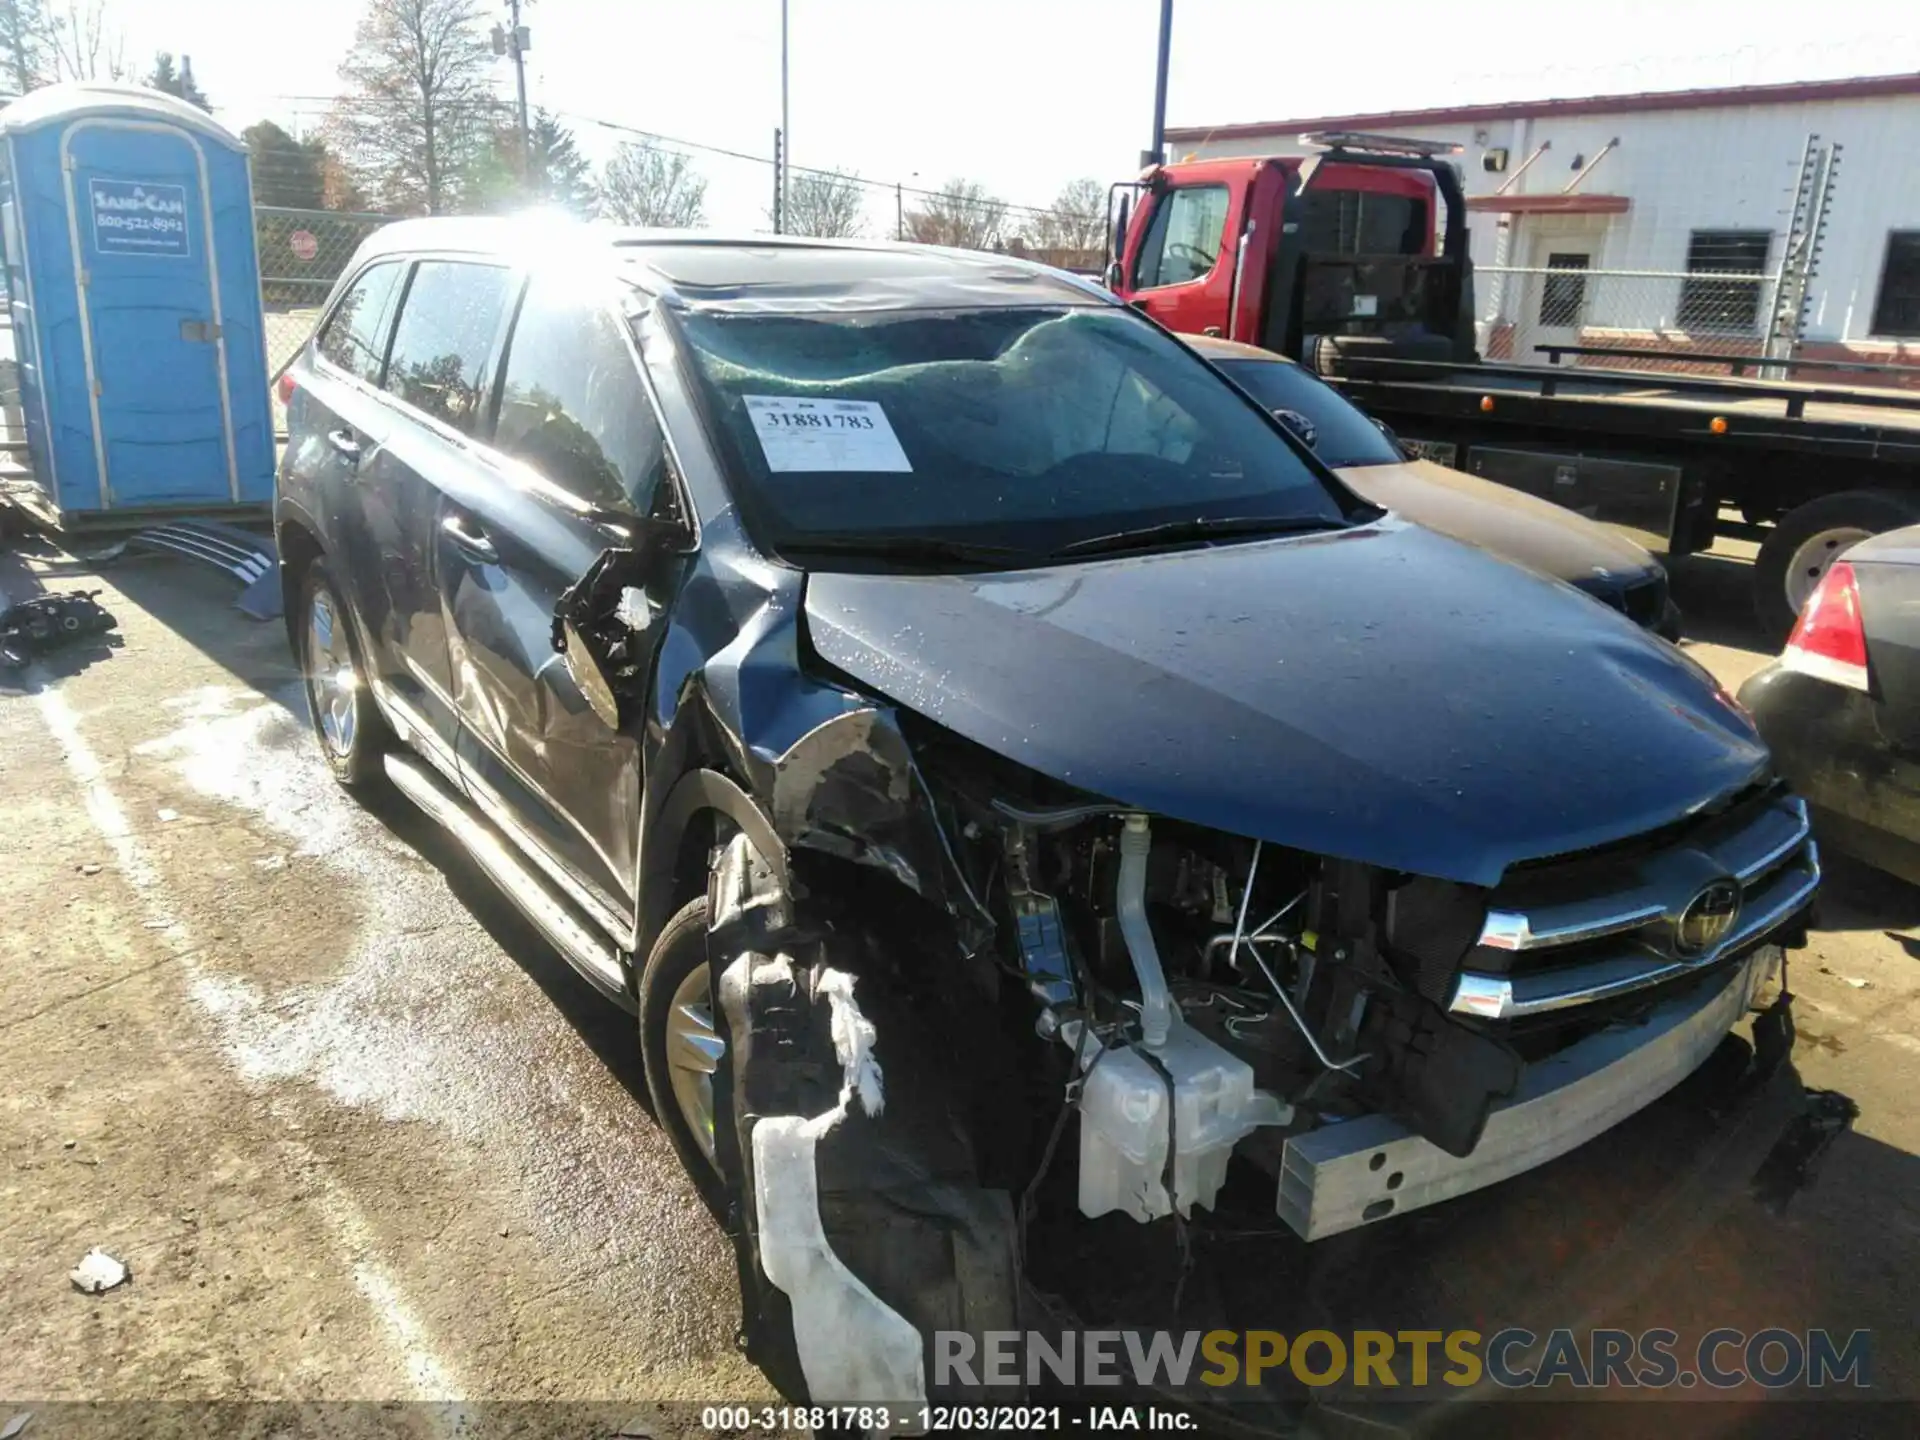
x: 1708, y: 919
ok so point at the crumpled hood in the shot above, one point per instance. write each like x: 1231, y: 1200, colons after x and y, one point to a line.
x: 1382, y: 694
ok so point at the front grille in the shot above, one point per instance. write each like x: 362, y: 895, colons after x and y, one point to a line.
x: 1585, y: 929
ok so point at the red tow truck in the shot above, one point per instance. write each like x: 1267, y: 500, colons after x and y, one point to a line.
x: 1354, y: 260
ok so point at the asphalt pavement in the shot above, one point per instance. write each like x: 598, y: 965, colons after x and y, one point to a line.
x: 360, y: 1135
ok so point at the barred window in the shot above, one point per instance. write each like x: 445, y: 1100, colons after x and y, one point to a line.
x: 1563, y: 298
x: 1729, y: 305
x: 1897, y: 311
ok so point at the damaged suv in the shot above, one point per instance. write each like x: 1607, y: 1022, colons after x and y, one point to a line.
x: 1008, y: 775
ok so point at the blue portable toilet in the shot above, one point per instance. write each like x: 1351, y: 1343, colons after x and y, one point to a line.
x: 135, y: 289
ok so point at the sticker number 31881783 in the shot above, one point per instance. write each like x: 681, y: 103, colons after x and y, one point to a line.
x: 825, y: 434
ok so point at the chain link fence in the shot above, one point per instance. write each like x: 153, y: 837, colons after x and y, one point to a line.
x: 1714, y: 312
x: 302, y: 253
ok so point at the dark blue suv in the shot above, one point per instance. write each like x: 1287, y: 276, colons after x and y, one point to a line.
x: 950, y: 714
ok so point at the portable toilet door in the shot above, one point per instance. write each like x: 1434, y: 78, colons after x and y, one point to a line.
x: 137, y: 206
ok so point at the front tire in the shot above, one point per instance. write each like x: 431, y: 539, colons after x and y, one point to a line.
x: 352, y: 733
x: 681, y: 1046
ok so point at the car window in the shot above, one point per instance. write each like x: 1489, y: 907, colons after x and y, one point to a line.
x: 1029, y: 428
x: 1183, y: 239
x: 572, y: 405
x: 448, y: 319
x: 355, y: 335
x: 1341, y: 434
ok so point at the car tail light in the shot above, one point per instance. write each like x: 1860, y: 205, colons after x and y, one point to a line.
x: 285, y: 387
x: 1828, y: 640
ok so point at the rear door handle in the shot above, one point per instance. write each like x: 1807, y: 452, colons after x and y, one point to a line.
x: 471, y: 543
x: 344, y: 442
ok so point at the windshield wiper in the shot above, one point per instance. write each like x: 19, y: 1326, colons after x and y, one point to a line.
x: 1174, y: 532
x: 911, y: 549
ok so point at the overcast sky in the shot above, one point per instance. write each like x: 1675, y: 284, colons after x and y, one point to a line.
x: 1027, y: 94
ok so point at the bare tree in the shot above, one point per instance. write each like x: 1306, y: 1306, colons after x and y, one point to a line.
x: 962, y: 214
x: 26, y: 45
x: 825, y: 203
x: 643, y: 184
x: 1076, y: 222
x: 415, y: 110
x: 85, y: 46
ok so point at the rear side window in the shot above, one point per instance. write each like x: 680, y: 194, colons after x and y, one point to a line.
x: 1360, y: 222
x: 355, y: 335
x: 1334, y: 430
x: 448, y: 319
x: 572, y: 405
x: 1183, y: 238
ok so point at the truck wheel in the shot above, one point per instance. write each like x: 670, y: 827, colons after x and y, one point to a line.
x: 352, y: 733
x: 1806, y: 542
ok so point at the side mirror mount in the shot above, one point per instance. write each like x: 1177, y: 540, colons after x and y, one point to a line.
x: 585, y: 669
x: 603, y: 624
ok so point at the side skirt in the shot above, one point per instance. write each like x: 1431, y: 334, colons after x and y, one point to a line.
x: 578, y: 942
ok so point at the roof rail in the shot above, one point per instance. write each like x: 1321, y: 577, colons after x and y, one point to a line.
x: 1377, y: 144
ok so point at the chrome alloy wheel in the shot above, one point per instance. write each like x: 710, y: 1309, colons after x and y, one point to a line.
x: 694, y: 1052
x: 332, y: 683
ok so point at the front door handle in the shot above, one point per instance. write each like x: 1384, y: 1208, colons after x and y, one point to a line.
x: 344, y: 442
x: 471, y: 543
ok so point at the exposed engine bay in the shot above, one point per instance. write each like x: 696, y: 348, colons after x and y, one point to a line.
x: 1266, y: 990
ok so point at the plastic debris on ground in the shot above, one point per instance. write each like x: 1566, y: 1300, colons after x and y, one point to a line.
x: 98, y: 1273
x: 46, y: 622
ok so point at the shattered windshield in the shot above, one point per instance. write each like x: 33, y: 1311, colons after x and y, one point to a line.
x: 1022, y: 429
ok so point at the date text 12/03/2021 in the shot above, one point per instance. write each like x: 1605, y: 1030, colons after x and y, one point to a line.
x: 941, y: 1419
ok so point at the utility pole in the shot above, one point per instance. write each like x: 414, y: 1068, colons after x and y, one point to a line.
x: 899, y: 212
x: 515, y: 41
x: 779, y: 184
x: 786, y: 129
x: 1158, y: 154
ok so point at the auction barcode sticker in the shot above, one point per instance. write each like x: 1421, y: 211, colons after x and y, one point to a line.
x: 825, y: 434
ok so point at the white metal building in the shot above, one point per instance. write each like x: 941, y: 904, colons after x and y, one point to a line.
x: 1640, y: 194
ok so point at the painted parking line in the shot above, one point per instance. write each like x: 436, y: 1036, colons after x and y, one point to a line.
x: 429, y: 1374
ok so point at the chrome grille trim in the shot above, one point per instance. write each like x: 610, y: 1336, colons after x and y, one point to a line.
x: 1770, y: 853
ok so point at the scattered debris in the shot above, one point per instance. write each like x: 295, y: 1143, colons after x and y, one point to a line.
x: 68, y: 1144
x: 46, y: 622
x: 249, y: 558
x: 1795, y: 1158
x: 91, y: 867
x: 14, y: 1426
x: 98, y: 1273
x: 1857, y: 983
x: 167, y: 815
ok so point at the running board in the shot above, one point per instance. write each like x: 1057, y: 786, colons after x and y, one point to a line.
x: 596, y: 960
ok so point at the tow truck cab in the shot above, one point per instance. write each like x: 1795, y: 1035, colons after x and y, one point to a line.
x: 1361, y: 246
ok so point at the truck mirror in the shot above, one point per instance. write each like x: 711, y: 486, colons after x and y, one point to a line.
x: 1113, y: 275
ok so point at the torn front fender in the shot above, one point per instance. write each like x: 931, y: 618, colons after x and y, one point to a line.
x: 861, y: 1228
x: 848, y: 787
